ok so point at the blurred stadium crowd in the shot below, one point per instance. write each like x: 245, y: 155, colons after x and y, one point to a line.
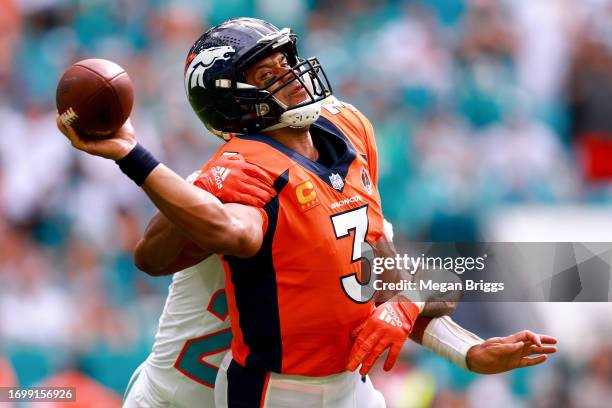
x: 476, y: 103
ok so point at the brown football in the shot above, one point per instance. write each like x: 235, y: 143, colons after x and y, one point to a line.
x: 95, y: 97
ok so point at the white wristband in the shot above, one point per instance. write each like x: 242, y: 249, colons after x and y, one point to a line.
x: 449, y: 340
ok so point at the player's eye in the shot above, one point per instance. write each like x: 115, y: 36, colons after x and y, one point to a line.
x: 267, y: 76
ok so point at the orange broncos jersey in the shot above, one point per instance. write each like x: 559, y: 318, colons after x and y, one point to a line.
x: 289, y: 309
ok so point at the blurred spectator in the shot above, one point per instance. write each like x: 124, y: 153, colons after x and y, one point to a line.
x: 491, y: 391
x: 590, y: 89
x: 34, y: 310
x: 523, y: 158
x: 10, y: 27
x: 7, y: 375
x: 35, y: 163
x: 485, y: 62
x: 468, y: 100
x: 89, y: 393
x: 594, y: 390
x: 543, y: 33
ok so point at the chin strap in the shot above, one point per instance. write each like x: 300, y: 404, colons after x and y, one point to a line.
x: 298, y: 117
x: 295, y: 118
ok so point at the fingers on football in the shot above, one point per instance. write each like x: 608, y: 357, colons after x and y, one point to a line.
x: 66, y: 130
x: 71, y: 134
x: 378, y: 349
x: 394, y: 353
x: 127, y: 127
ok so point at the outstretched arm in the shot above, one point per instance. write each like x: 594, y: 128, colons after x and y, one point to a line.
x: 446, y: 338
x: 202, y: 218
x: 165, y: 250
x: 198, y: 215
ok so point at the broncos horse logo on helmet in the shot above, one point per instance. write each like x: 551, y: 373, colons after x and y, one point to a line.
x: 199, y: 63
x: 215, y: 74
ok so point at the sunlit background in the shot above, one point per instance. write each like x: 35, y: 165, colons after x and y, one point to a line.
x: 493, y: 122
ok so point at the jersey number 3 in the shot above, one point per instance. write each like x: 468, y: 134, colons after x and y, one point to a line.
x: 191, y: 359
x: 355, y: 220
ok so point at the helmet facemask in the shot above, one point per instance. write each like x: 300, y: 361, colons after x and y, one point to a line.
x: 311, y: 77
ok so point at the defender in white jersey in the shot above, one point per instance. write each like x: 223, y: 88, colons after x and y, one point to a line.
x: 190, y: 343
x: 194, y: 331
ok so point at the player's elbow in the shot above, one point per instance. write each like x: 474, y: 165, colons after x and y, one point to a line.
x: 144, y: 266
x: 236, y: 231
x: 245, y: 243
x: 142, y: 260
x: 149, y: 269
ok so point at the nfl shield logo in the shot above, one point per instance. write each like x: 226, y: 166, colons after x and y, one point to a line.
x: 336, y: 181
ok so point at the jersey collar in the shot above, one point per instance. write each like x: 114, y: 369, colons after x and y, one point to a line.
x: 329, y: 175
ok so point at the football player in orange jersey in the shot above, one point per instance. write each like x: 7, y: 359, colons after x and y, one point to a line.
x: 293, y: 281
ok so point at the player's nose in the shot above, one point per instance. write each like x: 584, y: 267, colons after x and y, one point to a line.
x: 285, y: 74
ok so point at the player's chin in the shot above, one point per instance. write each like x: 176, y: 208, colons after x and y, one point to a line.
x: 297, y: 97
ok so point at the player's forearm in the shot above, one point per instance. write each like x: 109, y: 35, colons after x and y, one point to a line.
x: 439, y: 309
x: 419, y: 328
x: 200, y: 216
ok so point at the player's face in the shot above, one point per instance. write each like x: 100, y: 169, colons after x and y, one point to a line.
x: 266, y: 70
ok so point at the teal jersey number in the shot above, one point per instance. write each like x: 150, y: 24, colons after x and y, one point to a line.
x: 191, y: 359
